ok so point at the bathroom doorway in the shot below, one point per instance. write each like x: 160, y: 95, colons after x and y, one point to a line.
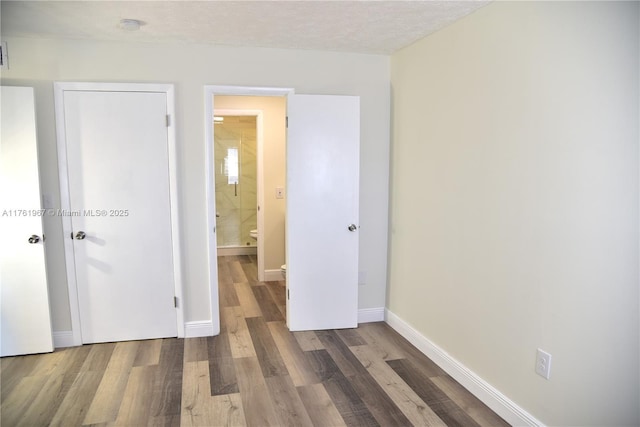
x: 249, y: 134
x: 236, y: 180
x: 320, y: 155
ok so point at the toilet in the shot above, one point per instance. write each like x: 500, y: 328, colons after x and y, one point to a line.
x: 283, y: 269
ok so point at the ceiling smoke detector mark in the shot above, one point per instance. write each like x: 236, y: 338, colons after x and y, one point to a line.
x: 4, y: 58
x: 130, y: 24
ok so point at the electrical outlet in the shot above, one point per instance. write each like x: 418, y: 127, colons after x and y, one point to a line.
x: 543, y: 364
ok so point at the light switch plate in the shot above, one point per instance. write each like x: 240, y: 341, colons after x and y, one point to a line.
x: 279, y: 192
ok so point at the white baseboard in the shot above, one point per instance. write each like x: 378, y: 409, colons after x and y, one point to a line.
x: 240, y: 250
x: 273, y: 275
x: 196, y: 329
x: 63, y: 339
x: 368, y: 315
x: 201, y: 328
x: 484, y: 391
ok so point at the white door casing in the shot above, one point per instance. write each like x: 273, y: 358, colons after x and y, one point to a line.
x: 212, y: 251
x: 323, y: 145
x: 26, y: 321
x: 118, y: 186
x: 334, y: 119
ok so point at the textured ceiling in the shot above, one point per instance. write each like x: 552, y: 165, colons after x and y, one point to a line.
x: 377, y: 27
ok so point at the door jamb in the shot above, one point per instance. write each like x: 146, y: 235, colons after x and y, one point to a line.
x: 212, y: 250
x: 65, y: 204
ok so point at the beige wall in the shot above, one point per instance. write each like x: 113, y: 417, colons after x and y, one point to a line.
x: 515, y: 202
x: 274, y: 110
x: 40, y: 62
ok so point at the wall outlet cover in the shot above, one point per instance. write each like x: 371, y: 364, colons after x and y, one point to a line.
x: 543, y: 364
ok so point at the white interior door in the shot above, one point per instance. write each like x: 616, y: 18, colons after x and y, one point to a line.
x: 26, y: 321
x: 120, y: 211
x: 323, y: 145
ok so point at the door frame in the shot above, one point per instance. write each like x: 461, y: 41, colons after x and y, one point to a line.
x: 258, y: 114
x: 210, y: 190
x: 65, y: 204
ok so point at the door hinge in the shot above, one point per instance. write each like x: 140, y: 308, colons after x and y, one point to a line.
x: 287, y: 293
x: 168, y: 120
x: 287, y: 122
x: 175, y: 302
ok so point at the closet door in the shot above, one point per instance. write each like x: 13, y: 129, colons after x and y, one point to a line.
x: 26, y: 321
x: 120, y: 216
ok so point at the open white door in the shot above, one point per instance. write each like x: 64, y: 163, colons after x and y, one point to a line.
x: 323, y: 146
x: 26, y: 321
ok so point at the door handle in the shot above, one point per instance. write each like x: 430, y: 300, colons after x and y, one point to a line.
x: 352, y: 227
x: 34, y: 239
x: 80, y: 235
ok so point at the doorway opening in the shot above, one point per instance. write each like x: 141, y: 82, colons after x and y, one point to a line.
x: 256, y: 214
x: 320, y: 166
x: 236, y: 147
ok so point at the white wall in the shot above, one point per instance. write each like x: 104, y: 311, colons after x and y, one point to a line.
x: 274, y: 110
x: 40, y: 62
x: 515, y: 202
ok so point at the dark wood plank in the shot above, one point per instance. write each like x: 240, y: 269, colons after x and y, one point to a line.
x: 397, y: 342
x: 44, y: 406
x: 352, y: 409
x: 98, y: 357
x: 432, y: 395
x: 379, y: 403
x: 269, y: 309
x: 148, y: 353
x: 237, y: 273
x: 17, y: 403
x: 136, y: 402
x: 73, y: 408
x: 278, y: 292
x: 218, y: 346
x: 340, y: 353
x: 469, y: 403
x: 195, y: 349
x: 222, y: 373
x: 167, y: 390
x: 250, y: 270
x: 319, y: 405
x: 287, y: 404
x: 351, y: 337
x: 266, y: 349
x: 256, y: 402
x: 13, y: 370
x: 226, y: 290
x: 294, y: 358
x: 168, y: 421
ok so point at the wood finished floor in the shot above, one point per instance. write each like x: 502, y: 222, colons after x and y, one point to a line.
x: 254, y: 373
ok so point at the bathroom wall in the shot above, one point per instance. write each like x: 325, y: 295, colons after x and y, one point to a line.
x: 236, y: 199
x: 274, y: 110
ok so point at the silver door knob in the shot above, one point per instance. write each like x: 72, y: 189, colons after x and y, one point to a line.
x: 80, y: 235
x: 352, y: 227
x: 34, y: 239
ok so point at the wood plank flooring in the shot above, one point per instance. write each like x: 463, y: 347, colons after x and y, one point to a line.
x: 255, y: 373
